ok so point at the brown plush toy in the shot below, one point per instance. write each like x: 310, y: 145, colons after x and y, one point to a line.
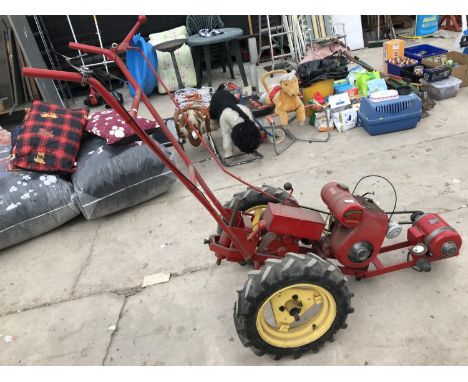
x: 198, y: 116
x: 284, y: 96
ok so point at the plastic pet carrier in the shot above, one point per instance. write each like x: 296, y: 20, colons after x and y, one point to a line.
x: 389, y: 116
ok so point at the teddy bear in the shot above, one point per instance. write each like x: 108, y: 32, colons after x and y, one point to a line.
x: 284, y: 96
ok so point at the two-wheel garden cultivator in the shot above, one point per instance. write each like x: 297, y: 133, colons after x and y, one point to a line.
x: 297, y: 296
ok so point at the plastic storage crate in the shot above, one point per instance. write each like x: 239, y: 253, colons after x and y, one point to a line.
x: 389, y: 116
x: 444, y: 89
x: 408, y: 74
x: 418, y: 52
x: 398, y: 70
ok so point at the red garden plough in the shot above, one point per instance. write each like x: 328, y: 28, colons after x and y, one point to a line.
x: 297, y: 296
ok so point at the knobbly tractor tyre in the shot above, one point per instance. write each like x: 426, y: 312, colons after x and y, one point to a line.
x: 292, y: 306
x: 255, y: 202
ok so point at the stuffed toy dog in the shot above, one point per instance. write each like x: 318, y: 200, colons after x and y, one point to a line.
x: 235, y: 121
x: 284, y: 96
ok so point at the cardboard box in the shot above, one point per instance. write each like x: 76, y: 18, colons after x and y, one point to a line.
x: 345, y: 120
x: 393, y: 48
x: 460, y: 71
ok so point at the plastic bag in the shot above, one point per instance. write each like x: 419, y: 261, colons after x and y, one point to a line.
x: 331, y: 67
x: 362, y: 79
x: 461, y: 42
x: 138, y: 66
x: 112, y: 178
x: 32, y: 203
x: 376, y: 85
x: 353, y: 73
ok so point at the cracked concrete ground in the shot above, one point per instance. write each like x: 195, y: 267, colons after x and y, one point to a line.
x: 62, y: 293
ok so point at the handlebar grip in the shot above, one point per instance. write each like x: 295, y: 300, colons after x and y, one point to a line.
x: 27, y: 72
x: 73, y: 45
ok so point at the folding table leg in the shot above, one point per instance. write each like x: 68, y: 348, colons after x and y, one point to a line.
x: 206, y: 48
x: 240, y: 64
x: 229, y: 60
x: 197, y: 59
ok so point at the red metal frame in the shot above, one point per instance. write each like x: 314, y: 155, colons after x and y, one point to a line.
x: 204, y: 195
x: 237, y: 242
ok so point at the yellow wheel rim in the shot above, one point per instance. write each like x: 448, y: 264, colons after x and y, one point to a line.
x: 257, y: 212
x: 313, y: 305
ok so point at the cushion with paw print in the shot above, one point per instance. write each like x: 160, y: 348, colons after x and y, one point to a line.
x: 110, y: 126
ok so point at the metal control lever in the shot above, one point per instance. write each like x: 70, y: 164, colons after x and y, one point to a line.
x: 237, y: 203
x: 288, y: 187
x: 83, y: 69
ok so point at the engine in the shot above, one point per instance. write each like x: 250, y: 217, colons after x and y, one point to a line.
x: 359, y: 229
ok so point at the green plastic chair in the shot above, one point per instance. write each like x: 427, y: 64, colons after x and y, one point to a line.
x: 196, y: 23
x: 197, y: 43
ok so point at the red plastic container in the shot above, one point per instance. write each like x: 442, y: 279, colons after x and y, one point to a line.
x: 294, y: 221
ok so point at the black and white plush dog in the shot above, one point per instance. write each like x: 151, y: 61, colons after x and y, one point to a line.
x: 235, y: 121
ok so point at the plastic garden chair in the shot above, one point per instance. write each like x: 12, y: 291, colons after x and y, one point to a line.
x: 197, y: 42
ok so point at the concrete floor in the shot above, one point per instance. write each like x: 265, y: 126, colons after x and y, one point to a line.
x: 61, y: 292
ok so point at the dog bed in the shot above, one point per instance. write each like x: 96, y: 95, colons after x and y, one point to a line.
x: 49, y: 139
x: 108, y: 126
x: 183, y: 57
x: 111, y: 178
x: 31, y: 203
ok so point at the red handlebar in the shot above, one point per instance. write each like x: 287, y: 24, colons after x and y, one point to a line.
x: 123, y: 45
x: 203, y: 194
x: 87, y: 48
x: 121, y: 48
x: 52, y: 74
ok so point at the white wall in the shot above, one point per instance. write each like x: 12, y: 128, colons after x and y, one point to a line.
x: 353, y: 29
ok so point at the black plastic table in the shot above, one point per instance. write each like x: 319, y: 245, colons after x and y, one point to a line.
x: 229, y: 35
x: 170, y: 47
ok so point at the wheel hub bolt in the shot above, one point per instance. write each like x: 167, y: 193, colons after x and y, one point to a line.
x: 295, y: 313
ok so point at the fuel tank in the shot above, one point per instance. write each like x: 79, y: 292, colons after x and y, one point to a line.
x: 342, y: 204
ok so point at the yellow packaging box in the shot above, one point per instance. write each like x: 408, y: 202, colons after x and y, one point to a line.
x: 393, y: 48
